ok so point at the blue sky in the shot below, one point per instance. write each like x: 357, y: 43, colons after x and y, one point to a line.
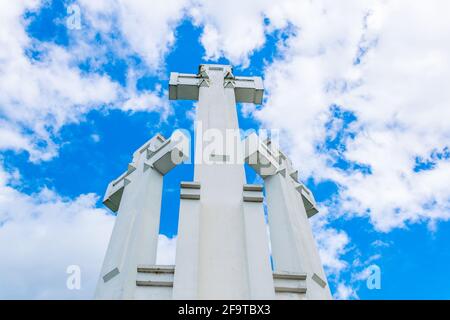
x: 380, y: 174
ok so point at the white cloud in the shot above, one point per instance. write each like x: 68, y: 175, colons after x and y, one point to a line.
x: 247, y: 109
x: 147, y: 27
x: 233, y: 29
x: 236, y: 29
x: 380, y: 243
x: 12, y: 139
x: 402, y: 112
x: 41, y: 235
x: 332, y: 244
x: 147, y: 100
x: 95, y: 137
x: 39, y: 96
x: 345, y: 292
x: 396, y: 94
x: 166, y: 250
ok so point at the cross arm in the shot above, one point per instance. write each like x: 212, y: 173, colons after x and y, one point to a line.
x: 268, y: 161
x: 185, y: 86
x: 249, y: 89
x: 159, y: 154
x: 172, y: 152
x: 259, y: 156
x: 308, y: 199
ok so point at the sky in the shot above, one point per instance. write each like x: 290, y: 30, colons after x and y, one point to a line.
x: 358, y: 90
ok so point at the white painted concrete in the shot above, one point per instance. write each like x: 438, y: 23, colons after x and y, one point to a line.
x: 293, y: 244
x: 261, y: 283
x: 134, y: 239
x: 284, y: 247
x: 225, y: 252
x: 188, y: 244
x: 289, y: 205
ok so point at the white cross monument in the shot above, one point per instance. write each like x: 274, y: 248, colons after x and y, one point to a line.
x: 223, y: 249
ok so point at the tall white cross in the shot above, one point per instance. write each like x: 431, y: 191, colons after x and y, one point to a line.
x: 222, y: 246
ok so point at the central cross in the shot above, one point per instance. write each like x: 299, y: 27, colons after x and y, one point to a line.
x: 222, y: 248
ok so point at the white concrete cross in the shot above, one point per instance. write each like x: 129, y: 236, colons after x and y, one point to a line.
x: 289, y: 205
x: 136, y: 197
x: 222, y: 247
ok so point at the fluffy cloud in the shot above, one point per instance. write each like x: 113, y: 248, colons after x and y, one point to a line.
x: 166, y: 250
x: 367, y: 59
x: 147, y: 27
x: 370, y: 61
x: 40, y: 95
x: 41, y: 235
x: 345, y: 292
x: 233, y: 29
x: 147, y: 100
x: 402, y: 111
x: 332, y: 244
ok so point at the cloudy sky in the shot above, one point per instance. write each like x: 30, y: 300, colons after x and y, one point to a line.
x: 359, y: 90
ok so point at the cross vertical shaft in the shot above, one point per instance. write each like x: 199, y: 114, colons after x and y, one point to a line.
x: 219, y: 258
